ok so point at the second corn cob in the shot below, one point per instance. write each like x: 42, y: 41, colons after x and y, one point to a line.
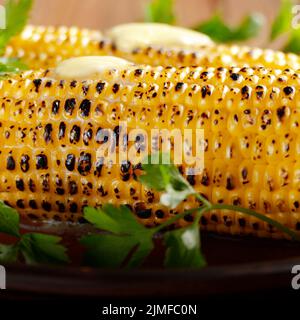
x: 44, y: 47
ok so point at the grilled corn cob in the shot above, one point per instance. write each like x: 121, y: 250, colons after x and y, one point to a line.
x: 44, y: 47
x: 49, y: 131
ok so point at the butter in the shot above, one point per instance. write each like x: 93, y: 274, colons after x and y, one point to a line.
x: 128, y: 37
x: 88, y: 66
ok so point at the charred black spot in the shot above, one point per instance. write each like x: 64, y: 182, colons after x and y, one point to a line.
x: 125, y: 166
x: 203, y: 92
x: 20, y: 204
x: 138, y: 72
x: 47, y: 133
x: 99, y: 166
x: 288, y: 90
x: 73, y: 189
x: 236, y: 202
x: 48, y: 84
x: 55, y: 106
x: 84, y: 163
x: 205, y: 179
x: 100, y: 86
x: 115, y: 88
x: 75, y: 134
x: 159, y: 214
x: 33, y: 204
x: 20, y: 184
x: 214, y: 218
x: 229, y: 184
x: 24, y: 163
x: 245, y: 92
x: 141, y: 210
x: 85, y: 89
x: 87, y: 136
x: 37, y: 83
x: 73, y: 84
x: 280, y: 113
x: 179, y: 86
x: 62, y: 130
x: 61, y: 207
x: 60, y: 191
x: 126, y: 177
x: 32, y: 186
x: 73, y: 207
x: 46, y: 206
x: 70, y: 106
x: 191, y: 180
x: 117, y: 134
x: 70, y: 162
x: 102, y: 192
x: 10, y: 163
x: 41, y: 162
x: 234, y: 76
x: 244, y: 173
x: 85, y: 108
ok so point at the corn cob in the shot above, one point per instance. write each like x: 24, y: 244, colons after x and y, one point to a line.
x: 44, y: 47
x: 250, y: 118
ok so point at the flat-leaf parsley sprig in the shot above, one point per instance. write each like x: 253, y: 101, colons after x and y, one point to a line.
x: 17, y: 15
x: 33, y: 248
x: 127, y: 243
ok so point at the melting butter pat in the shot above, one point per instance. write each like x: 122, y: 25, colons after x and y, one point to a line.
x: 88, y: 67
x: 128, y: 37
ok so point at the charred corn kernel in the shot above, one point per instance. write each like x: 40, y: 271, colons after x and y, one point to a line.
x: 44, y: 47
x: 51, y: 128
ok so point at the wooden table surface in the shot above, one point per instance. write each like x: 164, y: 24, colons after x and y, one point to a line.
x: 101, y: 14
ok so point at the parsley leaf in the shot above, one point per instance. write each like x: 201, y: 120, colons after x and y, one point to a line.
x: 9, y: 253
x: 293, y: 44
x: 119, y: 220
x: 106, y: 250
x: 166, y: 177
x: 145, y: 246
x: 160, y: 11
x: 35, y: 247
x: 128, y: 242
x: 38, y: 248
x: 11, y: 65
x: 282, y: 22
x: 183, y: 248
x: 219, y: 31
x: 17, y: 14
x: 9, y: 220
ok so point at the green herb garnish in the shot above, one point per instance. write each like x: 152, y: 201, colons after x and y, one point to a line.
x: 11, y: 65
x: 17, y: 14
x: 282, y: 22
x: 283, y: 25
x: 128, y: 243
x: 35, y: 248
x: 126, y: 236
x: 163, y: 11
x: 160, y: 11
x: 219, y: 31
